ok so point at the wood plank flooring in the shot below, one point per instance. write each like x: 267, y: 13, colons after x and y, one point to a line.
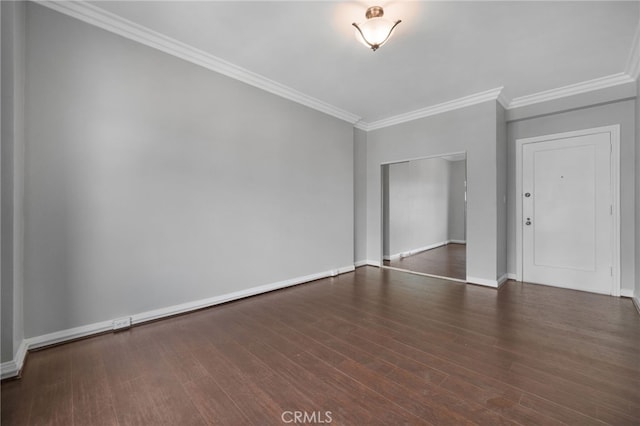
x: 374, y: 346
x: 446, y: 261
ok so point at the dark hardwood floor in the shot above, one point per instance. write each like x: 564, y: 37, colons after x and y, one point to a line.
x: 371, y: 347
x: 446, y: 261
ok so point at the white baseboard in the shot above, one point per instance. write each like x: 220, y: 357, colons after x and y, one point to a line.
x: 373, y: 263
x: 212, y: 301
x: 483, y: 281
x: 12, y: 368
x: 346, y: 269
x: 421, y: 249
x: 69, y: 334
x: 423, y: 274
x: 511, y: 276
x: 411, y: 252
x: 360, y: 263
x: 503, y: 279
x: 625, y: 292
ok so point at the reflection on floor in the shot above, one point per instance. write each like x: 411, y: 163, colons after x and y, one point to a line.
x: 445, y: 261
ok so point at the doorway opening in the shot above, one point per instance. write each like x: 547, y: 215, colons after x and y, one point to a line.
x: 424, y: 216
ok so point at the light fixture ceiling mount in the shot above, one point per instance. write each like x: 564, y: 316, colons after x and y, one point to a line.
x: 376, y: 30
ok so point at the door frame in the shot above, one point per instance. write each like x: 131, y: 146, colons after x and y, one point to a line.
x: 383, y: 216
x: 614, y: 131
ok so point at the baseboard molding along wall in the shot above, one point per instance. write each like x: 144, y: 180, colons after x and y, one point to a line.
x: 485, y: 282
x: 397, y: 256
x: 503, y: 279
x: 12, y: 368
x: 625, y: 292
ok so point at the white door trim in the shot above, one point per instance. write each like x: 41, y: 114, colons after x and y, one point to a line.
x: 614, y: 131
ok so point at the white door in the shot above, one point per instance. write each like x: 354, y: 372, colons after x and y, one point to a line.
x: 567, y: 207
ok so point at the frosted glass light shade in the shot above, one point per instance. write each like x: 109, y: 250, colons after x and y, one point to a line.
x: 376, y: 30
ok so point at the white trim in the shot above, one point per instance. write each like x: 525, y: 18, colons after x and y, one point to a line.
x: 572, y: 89
x: 362, y: 125
x: 511, y: 276
x: 111, y: 22
x: 625, y: 292
x: 375, y: 263
x: 415, y: 251
x: 498, y: 94
x: 424, y: 274
x: 483, y: 281
x: 477, y: 98
x: 503, y: 279
x: 518, y: 218
x: 96, y: 16
x: 99, y: 17
x: 503, y: 99
x: 633, y: 62
x: 614, y: 130
x: 457, y: 242
x: 408, y: 253
x: 69, y: 334
x: 360, y: 263
x: 405, y: 160
x: 346, y: 269
x: 12, y: 368
x: 212, y: 301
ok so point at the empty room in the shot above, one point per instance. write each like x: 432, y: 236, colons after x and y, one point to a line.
x: 320, y: 212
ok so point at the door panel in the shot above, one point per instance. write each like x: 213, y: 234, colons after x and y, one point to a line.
x: 567, y: 222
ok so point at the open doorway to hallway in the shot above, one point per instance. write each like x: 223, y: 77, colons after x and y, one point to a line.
x: 424, y: 216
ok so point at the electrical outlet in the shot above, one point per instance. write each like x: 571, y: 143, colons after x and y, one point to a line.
x: 121, y: 323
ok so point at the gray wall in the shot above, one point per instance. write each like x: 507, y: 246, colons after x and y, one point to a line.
x: 471, y: 129
x: 13, y: 39
x: 623, y: 113
x: 456, y: 219
x: 637, y: 171
x: 418, y: 204
x: 501, y: 185
x: 152, y: 182
x: 360, y: 194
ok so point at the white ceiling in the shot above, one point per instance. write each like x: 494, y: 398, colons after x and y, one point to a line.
x: 441, y: 50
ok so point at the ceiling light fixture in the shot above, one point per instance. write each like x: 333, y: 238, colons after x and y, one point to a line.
x: 376, y: 30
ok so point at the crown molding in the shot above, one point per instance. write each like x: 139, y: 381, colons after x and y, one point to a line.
x: 572, y: 89
x: 99, y: 17
x: 503, y: 99
x: 108, y: 21
x: 633, y: 62
x: 499, y: 95
x: 362, y: 125
x: 489, y: 95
